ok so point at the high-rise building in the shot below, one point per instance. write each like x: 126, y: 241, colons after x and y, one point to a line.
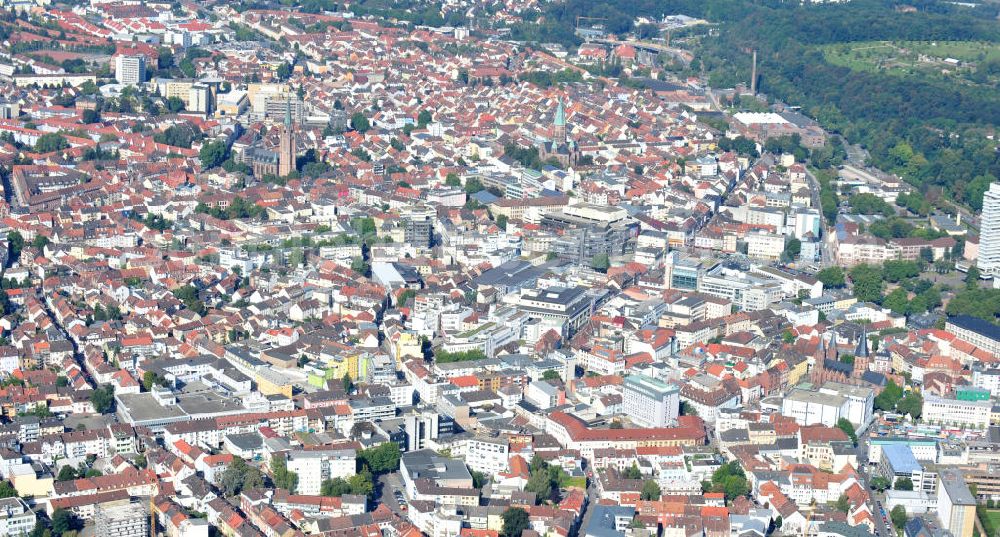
x: 418, y: 224
x: 200, y: 99
x: 286, y: 144
x: 122, y: 518
x: 650, y: 402
x: 989, y: 232
x: 130, y: 69
x: 956, y: 508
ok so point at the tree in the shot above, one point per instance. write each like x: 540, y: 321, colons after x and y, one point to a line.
x: 175, y: 104
x: 632, y: 472
x: 453, y: 180
x: 868, y: 282
x: 283, y: 478
x: 650, y: 490
x: 898, y: 516
x: 832, y: 277
x: 423, y: 118
x: 730, y: 479
x: 67, y: 473
x: 15, y: 242
x: 213, y: 154
x: 792, y: 249
x: 843, y: 504
x: 50, y: 142
x: 360, y: 123
x: 845, y: 425
x: 103, y: 399
x: 551, y: 374
x: 898, y: 301
x: 90, y: 116
x: 972, y: 277
x: 880, y: 483
x: 903, y: 483
x: 600, y: 263
x: 359, y: 266
x: 64, y: 521
x: 502, y: 221
x: 911, y: 404
x: 381, y: 459
x: 890, y: 395
x: 7, y: 490
x: 515, y: 521
x: 335, y: 488
x: 362, y: 483
x: 40, y: 242
x: 239, y: 476
x: 539, y: 483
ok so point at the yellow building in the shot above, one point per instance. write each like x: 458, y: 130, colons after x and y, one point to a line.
x: 270, y: 383
x: 29, y: 484
x: 407, y: 345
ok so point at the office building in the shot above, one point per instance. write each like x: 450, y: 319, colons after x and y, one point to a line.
x: 418, y: 225
x: 122, y: 518
x: 16, y: 518
x: 130, y: 70
x: 200, y: 99
x: 989, y: 232
x: 956, y: 508
x: 959, y: 413
x: 978, y: 332
x: 650, y: 402
x: 314, y: 467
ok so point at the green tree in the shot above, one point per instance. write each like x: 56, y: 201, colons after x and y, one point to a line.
x: 335, y: 488
x: 239, y: 476
x: 650, y: 491
x: 283, y: 478
x: 15, y: 243
x: 898, y: 515
x: 64, y: 521
x: 67, y: 473
x: 845, y: 425
x: 600, y: 263
x: 903, y: 483
x: 103, y: 399
x: 7, y: 490
x: 832, y: 277
x: 515, y: 521
x: 911, y: 404
x: 843, y: 503
x: 175, y: 104
x: 360, y: 123
x: 890, y: 395
x: 213, y: 154
x: 898, y: 301
x: 50, y: 142
x: 868, y: 282
x: 632, y: 472
x: 453, y: 180
x: 90, y: 116
x: 792, y: 249
x: 381, y: 459
x: 359, y: 266
x: 551, y: 374
x: 502, y: 221
x: 880, y: 484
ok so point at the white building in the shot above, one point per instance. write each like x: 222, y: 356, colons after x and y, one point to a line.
x: 956, y: 508
x: 314, y: 467
x: 650, y: 402
x: 940, y: 410
x: 16, y: 518
x: 488, y: 455
x: 989, y: 232
x: 765, y: 245
x: 130, y: 70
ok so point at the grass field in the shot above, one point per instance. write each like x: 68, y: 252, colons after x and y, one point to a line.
x: 908, y: 57
x: 990, y: 519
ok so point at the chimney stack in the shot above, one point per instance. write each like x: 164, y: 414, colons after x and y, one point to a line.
x: 753, y: 74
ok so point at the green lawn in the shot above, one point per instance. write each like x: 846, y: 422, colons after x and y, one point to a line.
x: 907, y: 57
x: 990, y: 519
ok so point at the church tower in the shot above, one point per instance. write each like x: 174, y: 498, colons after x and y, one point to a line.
x: 559, y: 126
x: 286, y: 144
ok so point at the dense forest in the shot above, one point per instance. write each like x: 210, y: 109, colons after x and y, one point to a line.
x: 934, y: 132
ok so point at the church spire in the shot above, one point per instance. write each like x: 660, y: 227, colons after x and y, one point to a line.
x: 560, y: 120
x: 559, y: 125
x: 861, y: 351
